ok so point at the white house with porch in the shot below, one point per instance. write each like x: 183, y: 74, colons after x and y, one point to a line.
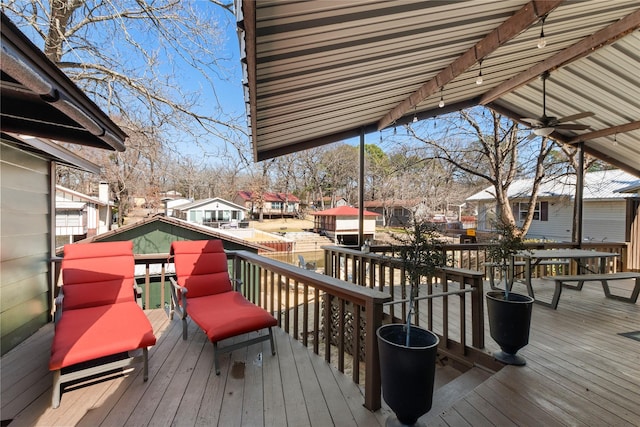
x: 604, y: 207
x: 214, y: 212
x: 79, y: 216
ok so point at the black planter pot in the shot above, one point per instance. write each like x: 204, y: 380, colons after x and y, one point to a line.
x: 407, y: 373
x: 509, y: 322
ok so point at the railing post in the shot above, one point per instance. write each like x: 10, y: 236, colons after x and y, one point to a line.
x: 147, y: 282
x: 477, y: 312
x: 373, y: 383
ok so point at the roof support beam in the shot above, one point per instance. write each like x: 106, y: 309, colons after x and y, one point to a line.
x: 521, y: 20
x: 605, y: 132
x: 585, y: 47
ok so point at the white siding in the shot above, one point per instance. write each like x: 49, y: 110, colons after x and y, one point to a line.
x: 601, y: 220
x: 604, y: 220
x: 351, y: 224
x: 558, y: 226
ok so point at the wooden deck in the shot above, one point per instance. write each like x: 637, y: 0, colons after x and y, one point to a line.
x: 579, y: 372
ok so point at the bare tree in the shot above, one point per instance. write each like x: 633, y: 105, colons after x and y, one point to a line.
x: 340, y: 167
x: 139, y: 60
x: 484, y: 144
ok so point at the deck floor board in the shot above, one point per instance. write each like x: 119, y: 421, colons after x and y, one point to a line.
x: 579, y: 371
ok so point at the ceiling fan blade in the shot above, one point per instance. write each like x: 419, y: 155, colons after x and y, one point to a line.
x: 530, y: 137
x: 531, y: 121
x: 576, y: 116
x: 573, y: 127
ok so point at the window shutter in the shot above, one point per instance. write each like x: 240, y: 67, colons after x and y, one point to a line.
x: 544, y: 211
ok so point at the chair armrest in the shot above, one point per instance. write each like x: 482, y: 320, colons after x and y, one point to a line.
x: 57, y: 313
x: 137, y: 294
x: 178, y: 298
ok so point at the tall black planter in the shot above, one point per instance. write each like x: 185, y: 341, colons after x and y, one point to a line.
x: 509, y: 322
x: 407, y: 373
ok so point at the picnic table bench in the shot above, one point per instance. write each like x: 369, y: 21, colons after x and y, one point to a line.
x: 492, y: 265
x: 603, y: 278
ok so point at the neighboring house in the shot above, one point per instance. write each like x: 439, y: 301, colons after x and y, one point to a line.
x: 79, y: 216
x: 269, y: 204
x: 39, y: 105
x: 170, y: 204
x: 604, y: 207
x: 392, y: 213
x: 213, y: 212
x: 154, y: 235
x: 329, y: 202
x: 341, y: 224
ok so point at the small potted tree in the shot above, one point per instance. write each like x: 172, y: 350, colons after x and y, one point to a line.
x: 509, y: 313
x: 408, y: 352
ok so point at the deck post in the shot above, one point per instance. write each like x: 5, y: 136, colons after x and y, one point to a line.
x: 477, y: 312
x: 373, y: 383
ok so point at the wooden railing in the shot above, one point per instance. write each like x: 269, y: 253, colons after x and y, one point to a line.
x: 336, y: 319
x: 473, y: 256
x: 437, y: 305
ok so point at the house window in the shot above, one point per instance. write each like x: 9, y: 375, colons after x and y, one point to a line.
x: 195, y: 216
x: 276, y: 206
x: 540, y: 213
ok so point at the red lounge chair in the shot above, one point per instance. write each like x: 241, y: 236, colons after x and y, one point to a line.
x: 97, y: 317
x: 203, y: 291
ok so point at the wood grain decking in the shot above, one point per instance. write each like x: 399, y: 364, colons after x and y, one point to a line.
x: 579, y: 372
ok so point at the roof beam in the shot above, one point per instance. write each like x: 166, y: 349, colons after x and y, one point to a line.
x: 585, y: 47
x: 521, y: 20
x: 628, y: 127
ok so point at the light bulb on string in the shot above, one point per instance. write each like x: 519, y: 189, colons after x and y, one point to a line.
x: 415, y: 115
x: 615, y: 140
x: 542, y: 42
x: 441, y: 103
x: 479, y: 79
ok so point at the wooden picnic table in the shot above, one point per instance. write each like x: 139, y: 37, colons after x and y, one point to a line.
x: 536, y: 256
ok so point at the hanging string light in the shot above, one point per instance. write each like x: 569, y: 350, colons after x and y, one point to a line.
x: 441, y: 103
x: 542, y: 42
x: 615, y: 139
x: 479, y: 79
x: 415, y: 115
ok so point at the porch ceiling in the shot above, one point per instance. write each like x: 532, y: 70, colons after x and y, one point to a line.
x: 319, y: 72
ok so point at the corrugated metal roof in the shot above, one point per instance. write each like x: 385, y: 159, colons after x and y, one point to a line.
x: 602, y: 185
x: 321, y: 71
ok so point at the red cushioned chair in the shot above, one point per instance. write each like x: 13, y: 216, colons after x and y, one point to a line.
x: 203, y: 291
x: 99, y: 325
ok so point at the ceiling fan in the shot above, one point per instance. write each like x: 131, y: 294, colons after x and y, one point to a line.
x: 543, y: 126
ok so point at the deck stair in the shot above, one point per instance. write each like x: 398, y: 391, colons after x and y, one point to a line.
x: 453, y: 391
x: 307, y: 241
